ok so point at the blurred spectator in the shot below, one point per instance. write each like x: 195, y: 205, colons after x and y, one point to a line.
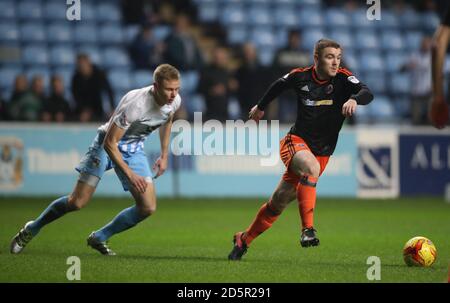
x: 419, y: 67
x: 26, y: 105
x: 56, y: 107
x: 88, y: 83
x: 290, y: 57
x: 252, y: 80
x: 216, y: 85
x: 140, y: 11
x: 181, y: 49
x: 145, y: 51
x: 3, y: 110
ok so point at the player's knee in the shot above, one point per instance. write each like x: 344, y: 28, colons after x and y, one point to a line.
x: 76, y: 203
x: 147, y: 211
x: 313, y: 169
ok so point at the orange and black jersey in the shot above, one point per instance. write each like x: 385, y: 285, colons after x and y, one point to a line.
x: 319, y: 104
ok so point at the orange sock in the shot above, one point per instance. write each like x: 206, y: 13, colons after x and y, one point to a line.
x: 264, y: 220
x: 306, y: 197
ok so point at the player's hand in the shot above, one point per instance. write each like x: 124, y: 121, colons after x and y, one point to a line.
x: 160, y: 166
x: 255, y: 113
x: 438, y: 113
x: 138, y: 182
x: 349, y: 107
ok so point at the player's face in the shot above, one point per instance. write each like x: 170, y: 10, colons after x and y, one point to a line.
x: 168, y: 90
x: 329, y: 61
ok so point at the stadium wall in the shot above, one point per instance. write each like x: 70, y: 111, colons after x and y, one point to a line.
x: 368, y: 162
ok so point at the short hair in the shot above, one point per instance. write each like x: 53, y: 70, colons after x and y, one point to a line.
x: 324, y: 43
x: 165, y: 72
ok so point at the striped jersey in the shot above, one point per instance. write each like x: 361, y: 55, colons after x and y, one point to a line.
x: 139, y: 114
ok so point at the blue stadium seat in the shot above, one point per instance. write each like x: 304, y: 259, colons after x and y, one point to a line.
x: 57, y: 11
x: 281, y: 37
x: 208, y: 12
x: 115, y: 57
x: 430, y: 21
x: 161, y: 32
x: 350, y: 60
x: 413, y: 39
x: 395, y: 60
x: 389, y: 21
x: 382, y: 109
x: 336, y: 18
x: 189, y: 82
x: 399, y: 83
x: 33, y: 32
x: 233, y: 15
x: 237, y: 34
x: 9, y: 32
x: 88, y: 12
x: 364, y: 115
x: 376, y: 82
x: 85, y: 33
x: 392, y: 40
x: 367, y: 40
x: 359, y: 19
x: 8, y: 75
x: 409, y: 20
x: 142, y: 78
x: 343, y: 37
x: 285, y: 16
x: 59, y: 32
x: 62, y: 55
x: 310, y: 37
x: 310, y: 18
x: 371, y: 61
x: 108, y: 12
x: 266, y: 56
x: 120, y: 79
x: 195, y: 103
x: 111, y: 34
x: 402, y: 106
x: 130, y: 32
x: 35, y: 55
x: 28, y: 10
x: 259, y: 16
x: 263, y: 37
x: 8, y: 10
x: 92, y: 51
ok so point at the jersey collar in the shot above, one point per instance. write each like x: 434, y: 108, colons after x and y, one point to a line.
x: 315, y: 78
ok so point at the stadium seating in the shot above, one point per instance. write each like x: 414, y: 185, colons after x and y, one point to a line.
x: 37, y: 37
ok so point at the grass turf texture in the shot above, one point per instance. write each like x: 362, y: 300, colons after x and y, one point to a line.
x: 188, y: 241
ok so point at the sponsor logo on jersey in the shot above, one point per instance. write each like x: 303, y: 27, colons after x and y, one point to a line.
x: 309, y: 102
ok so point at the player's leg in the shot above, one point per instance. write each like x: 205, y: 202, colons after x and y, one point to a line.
x: 305, y: 165
x: 266, y: 216
x: 80, y: 196
x: 129, y: 217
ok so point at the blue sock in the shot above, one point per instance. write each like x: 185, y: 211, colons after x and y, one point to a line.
x: 126, y: 219
x: 55, y: 210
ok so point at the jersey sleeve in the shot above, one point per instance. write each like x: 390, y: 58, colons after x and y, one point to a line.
x: 127, y: 113
x: 276, y: 88
x: 357, y: 90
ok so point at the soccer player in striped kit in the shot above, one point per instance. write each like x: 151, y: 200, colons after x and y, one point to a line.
x: 326, y: 95
x: 119, y: 144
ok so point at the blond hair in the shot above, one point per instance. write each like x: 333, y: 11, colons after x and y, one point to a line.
x: 324, y: 43
x: 165, y: 72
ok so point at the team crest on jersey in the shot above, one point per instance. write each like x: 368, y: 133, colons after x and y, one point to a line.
x: 329, y: 89
x: 353, y: 79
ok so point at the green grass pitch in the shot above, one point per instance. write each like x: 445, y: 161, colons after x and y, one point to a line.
x: 188, y: 240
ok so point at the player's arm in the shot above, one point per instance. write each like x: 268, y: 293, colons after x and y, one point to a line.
x: 440, y: 41
x: 164, y: 136
x: 361, y: 95
x: 275, y: 89
x: 112, y: 138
